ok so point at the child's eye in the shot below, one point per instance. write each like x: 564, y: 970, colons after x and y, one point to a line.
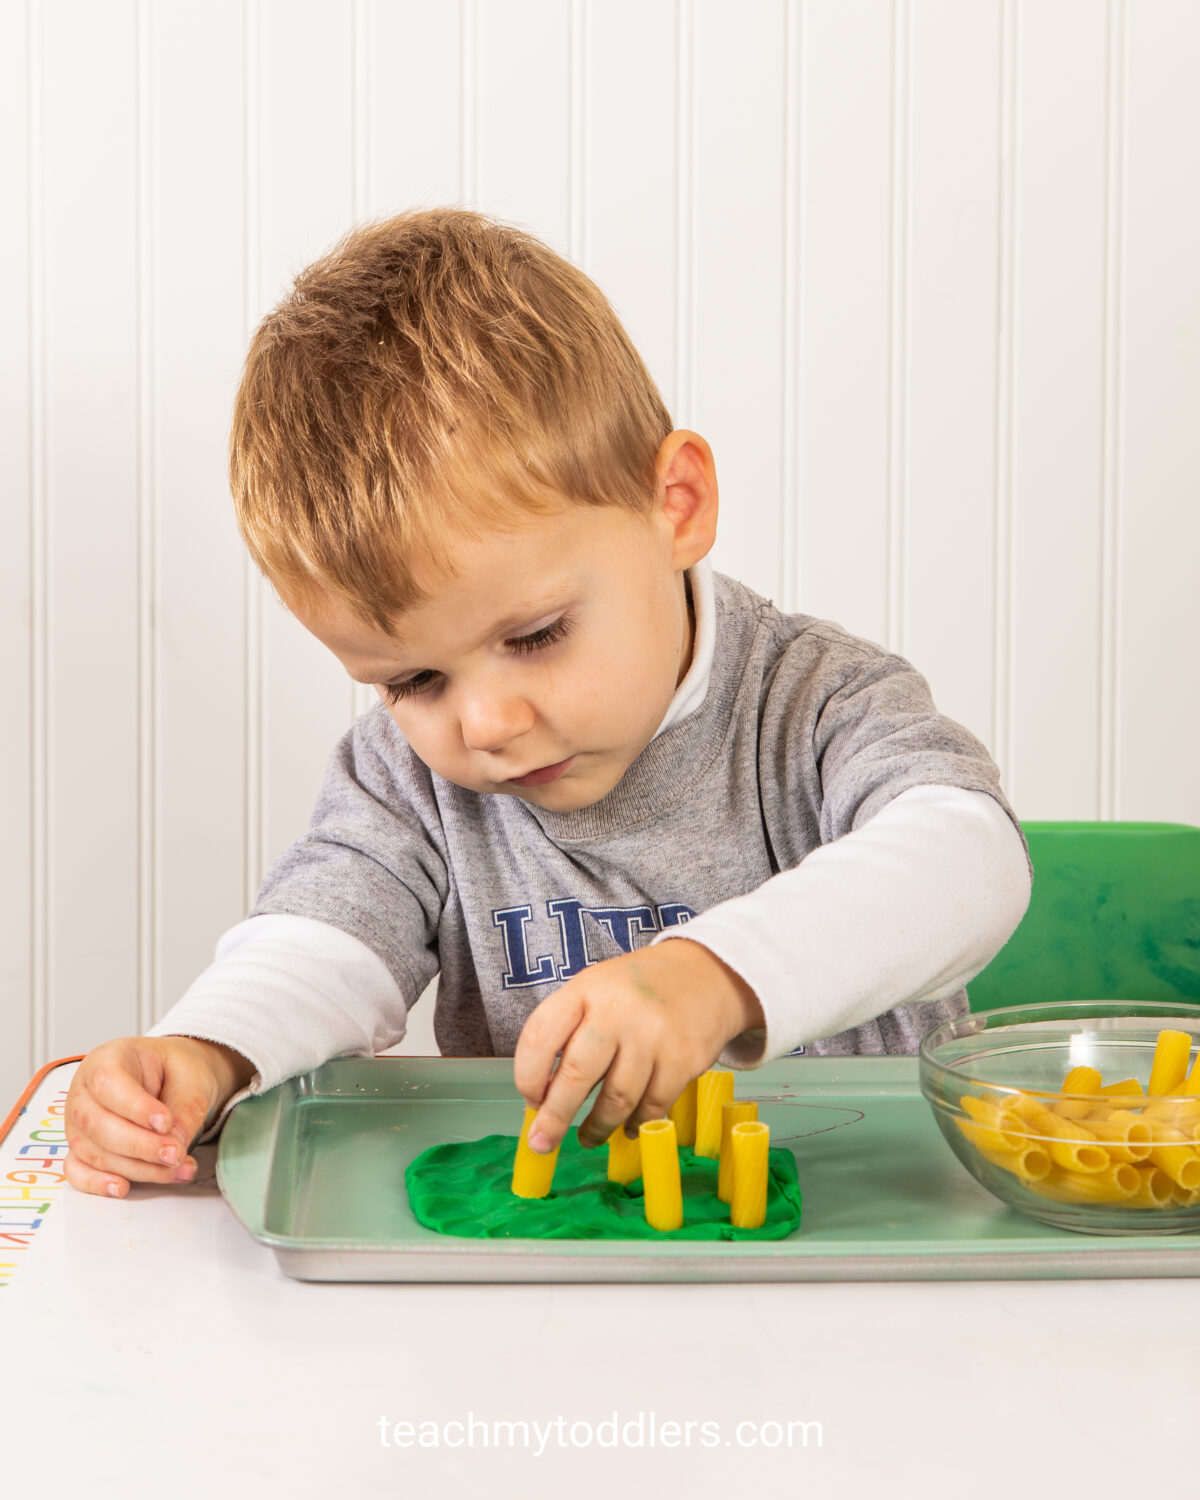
x: 558, y: 631
x: 409, y: 688
x: 421, y: 682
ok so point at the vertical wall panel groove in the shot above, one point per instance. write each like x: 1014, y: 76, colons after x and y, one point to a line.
x: 577, y: 63
x: 148, y: 781
x: 253, y: 595
x: 362, y: 698
x: 1005, y: 405
x: 41, y: 958
x: 898, y: 324
x: 362, y: 108
x: 469, y: 187
x: 792, y: 420
x: 19, y: 363
x: 1114, y: 323
x: 685, y: 236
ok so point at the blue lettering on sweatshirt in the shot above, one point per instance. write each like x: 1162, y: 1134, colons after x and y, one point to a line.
x: 511, y: 920
x: 623, y: 922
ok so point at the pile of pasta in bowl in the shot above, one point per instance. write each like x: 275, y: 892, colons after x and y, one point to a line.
x: 1084, y: 1114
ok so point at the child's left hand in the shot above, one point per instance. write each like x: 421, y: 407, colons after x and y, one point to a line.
x: 647, y: 1022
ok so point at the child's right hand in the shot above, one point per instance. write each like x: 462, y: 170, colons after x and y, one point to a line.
x: 136, y: 1104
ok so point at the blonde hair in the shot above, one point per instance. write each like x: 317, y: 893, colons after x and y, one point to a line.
x: 436, y: 374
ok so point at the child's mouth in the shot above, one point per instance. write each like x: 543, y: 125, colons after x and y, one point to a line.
x: 543, y: 775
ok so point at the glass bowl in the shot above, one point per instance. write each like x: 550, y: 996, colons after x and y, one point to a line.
x: 1087, y: 1157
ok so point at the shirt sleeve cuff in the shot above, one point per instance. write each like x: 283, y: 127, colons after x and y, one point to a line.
x: 906, y: 908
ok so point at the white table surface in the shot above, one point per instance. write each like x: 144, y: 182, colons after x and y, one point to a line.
x: 152, y: 1347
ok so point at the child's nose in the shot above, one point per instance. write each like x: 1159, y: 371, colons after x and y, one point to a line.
x: 492, y: 720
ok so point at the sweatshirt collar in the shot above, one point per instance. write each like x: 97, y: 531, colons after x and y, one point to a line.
x: 689, y: 695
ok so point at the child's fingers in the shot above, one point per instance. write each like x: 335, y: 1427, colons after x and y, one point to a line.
x: 89, y: 1121
x: 188, y: 1106
x: 623, y: 1092
x: 101, y: 1172
x: 103, y: 1140
x: 88, y: 1180
x: 105, y: 1149
x: 544, y: 1035
x: 176, y: 1101
x: 585, y: 1059
x: 664, y: 1087
x: 116, y: 1080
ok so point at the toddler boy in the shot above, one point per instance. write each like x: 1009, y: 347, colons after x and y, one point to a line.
x: 632, y: 815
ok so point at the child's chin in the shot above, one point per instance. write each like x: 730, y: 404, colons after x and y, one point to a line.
x: 564, y: 795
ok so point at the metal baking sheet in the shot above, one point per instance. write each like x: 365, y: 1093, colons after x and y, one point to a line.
x: 315, y: 1170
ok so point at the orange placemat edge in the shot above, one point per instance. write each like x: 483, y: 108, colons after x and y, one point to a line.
x: 10, y: 1119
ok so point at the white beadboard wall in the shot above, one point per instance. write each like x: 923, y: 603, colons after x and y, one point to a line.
x: 925, y: 272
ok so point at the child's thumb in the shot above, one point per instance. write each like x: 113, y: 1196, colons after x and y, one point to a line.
x: 188, y: 1110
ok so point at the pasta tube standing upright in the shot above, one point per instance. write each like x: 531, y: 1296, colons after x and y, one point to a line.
x: 733, y: 1112
x: 714, y: 1089
x: 1170, y: 1065
x: 683, y: 1113
x: 661, y: 1185
x: 1081, y: 1080
x: 532, y: 1172
x: 624, y: 1156
x: 751, y: 1141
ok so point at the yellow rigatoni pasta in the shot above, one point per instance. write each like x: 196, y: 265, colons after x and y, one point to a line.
x: 1083, y: 1081
x: 733, y: 1112
x: 750, y: 1142
x: 1126, y: 1136
x: 1170, y: 1065
x: 683, y: 1114
x: 1027, y: 1107
x: 1183, y: 1114
x: 1115, y: 1184
x: 1031, y: 1163
x: 992, y: 1127
x: 624, y: 1156
x: 532, y: 1172
x: 1155, y: 1188
x: 713, y: 1089
x: 1071, y: 1145
x: 1105, y: 1143
x: 1128, y: 1094
x: 661, y: 1185
x: 1125, y: 1086
x: 1177, y: 1156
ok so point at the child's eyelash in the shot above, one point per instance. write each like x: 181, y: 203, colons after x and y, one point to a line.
x: 411, y: 687
x: 557, y: 631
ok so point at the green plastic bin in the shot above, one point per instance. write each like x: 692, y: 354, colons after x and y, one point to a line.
x: 1114, y: 915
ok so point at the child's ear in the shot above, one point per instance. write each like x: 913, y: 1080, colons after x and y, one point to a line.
x: 687, y: 494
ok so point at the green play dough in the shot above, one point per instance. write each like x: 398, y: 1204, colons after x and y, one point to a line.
x: 465, y: 1188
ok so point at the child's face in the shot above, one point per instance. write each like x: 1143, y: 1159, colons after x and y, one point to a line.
x: 543, y: 668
